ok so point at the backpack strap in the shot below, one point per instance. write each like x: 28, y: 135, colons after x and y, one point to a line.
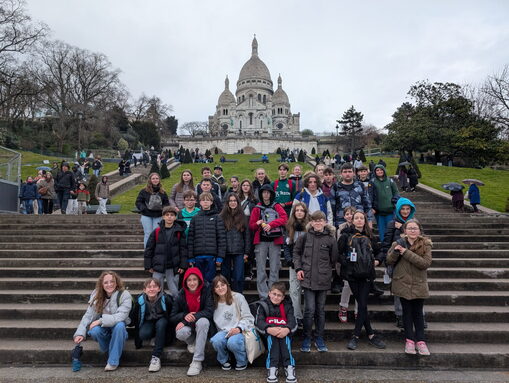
x: 282, y: 311
x: 158, y: 229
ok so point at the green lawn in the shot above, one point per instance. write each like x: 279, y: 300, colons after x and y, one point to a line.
x: 493, y: 195
x: 243, y: 169
x: 31, y: 161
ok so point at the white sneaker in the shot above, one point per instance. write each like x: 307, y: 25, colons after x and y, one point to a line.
x: 272, y: 375
x: 191, y: 348
x: 194, y: 368
x: 109, y: 367
x: 153, y: 342
x: 290, y: 374
x: 155, y: 364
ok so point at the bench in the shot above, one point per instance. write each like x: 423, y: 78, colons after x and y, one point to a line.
x: 228, y: 161
x: 259, y: 160
x: 110, y: 209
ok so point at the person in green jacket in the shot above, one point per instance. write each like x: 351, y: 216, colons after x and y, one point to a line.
x: 284, y: 188
x: 385, y: 196
x: 189, y: 210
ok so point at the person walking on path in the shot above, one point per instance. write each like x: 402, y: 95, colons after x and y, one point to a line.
x: 411, y: 257
x: 474, y: 195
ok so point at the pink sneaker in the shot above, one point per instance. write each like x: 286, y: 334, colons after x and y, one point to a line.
x: 422, y: 348
x: 410, y: 347
x: 343, y: 314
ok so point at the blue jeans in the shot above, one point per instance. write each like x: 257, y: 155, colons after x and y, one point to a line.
x: 111, y: 340
x: 314, y: 311
x: 39, y: 205
x: 381, y: 222
x: 149, y: 225
x: 63, y: 198
x: 97, y: 172
x: 234, y: 344
x: 29, y: 206
x: 156, y: 328
x: 207, y: 266
x: 235, y: 276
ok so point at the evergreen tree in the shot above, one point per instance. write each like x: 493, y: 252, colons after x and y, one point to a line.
x: 165, y: 173
x: 313, y: 151
x: 301, y: 157
x: 278, y: 151
x: 155, y: 168
x: 351, y: 125
x: 187, y: 157
x: 92, y: 184
x: 169, y: 153
x: 216, y: 150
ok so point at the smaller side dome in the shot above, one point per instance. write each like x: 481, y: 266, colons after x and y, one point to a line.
x: 226, y: 97
x: 280, y: 96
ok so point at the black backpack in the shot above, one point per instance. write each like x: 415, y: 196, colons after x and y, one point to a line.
x: 364, y: 267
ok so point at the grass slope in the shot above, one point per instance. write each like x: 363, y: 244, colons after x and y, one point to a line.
x: 493, y: 195
x: 242, y: 168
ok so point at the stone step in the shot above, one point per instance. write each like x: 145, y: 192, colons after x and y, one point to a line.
x: 14, y: 352
x: 440, y: 297
x: 111, y: 245
x: 380, y: 313
x: 469, y: 245
x: 138, y: 272
x: 436, y: 332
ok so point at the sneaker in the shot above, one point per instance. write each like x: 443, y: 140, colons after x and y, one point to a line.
x: 300, y: 324
x: 290, y: 374
x: 239, y: 367
x: 320, y: 345
x: 191, y: 348
x: 399, y: 321
x: 194, y: 368
x: 353, y: 343
x: 155, y: 364
x: 410, y: 347
x: 422, y: 348
x: 272, y: 375
x: 306, y: 345
x: 375, y: 341
x: 109, y: 367
x: 226, y: 366
x: 343, y: 314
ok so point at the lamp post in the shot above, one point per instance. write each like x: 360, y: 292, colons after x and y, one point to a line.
x: 337, y: 138
x: 80, y: 120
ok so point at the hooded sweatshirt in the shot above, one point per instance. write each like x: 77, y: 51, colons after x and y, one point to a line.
x: 392, y: 233
x: 385, y: 193
x: 316, y: 202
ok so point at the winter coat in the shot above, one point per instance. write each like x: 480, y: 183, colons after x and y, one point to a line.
x: 50, y: 187
x: 473, y: 194
x: 180, y: 309
x: 83, y: 195
x: 316, y: 253
x: 266, y: 309
x: 238, y: 242
x: 413, y: 177
x: 142, y: 203
x: 170, y: 249
x: 409, y: 280
x: 256, y: 215
x: 177, y: 198
x: 257, y: 185
x: 119, y: 313
x: 207, y: 236
x: 343, y: 196
x: 163, y: 306
x: 247, y: 206
x: 385, y: 193
x: 29, y: 191
x: 319, y: 200
x: 392, y: 233
x: 102, y: 190
x: 215, y: 188
x: 65, y: 181
x: 344, y: 249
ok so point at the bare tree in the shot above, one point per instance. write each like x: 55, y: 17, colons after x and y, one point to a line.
x: 496, y: 88
x: 194, y: 127
x: 151, y: 109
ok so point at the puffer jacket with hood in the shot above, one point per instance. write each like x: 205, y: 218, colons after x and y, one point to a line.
x: 203, y: 294
x: 316, y: 253
x: 206, y: 236
x: 385, y: 193
x: 410, y: 278
x: 256, y: 215
x: 393, y: 233
x: 169, y: 251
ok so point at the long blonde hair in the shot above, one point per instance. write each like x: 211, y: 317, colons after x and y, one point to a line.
x: 149, y: 188
x: 100, y: 294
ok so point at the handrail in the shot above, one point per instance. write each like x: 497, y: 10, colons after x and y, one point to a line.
x: 11, y: 163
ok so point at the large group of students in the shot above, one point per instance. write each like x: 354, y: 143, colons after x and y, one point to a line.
x: 204, y: 240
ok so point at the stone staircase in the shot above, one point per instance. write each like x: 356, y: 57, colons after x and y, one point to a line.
x: 49, y: 264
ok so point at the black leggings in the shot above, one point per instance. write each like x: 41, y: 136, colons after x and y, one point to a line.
x: 47, y: 205
x: 360, y: 291
x: 412, y: 317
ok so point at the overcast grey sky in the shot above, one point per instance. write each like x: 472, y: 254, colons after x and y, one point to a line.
x: 331, y: 54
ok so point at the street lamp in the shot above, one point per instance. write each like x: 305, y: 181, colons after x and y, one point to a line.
x: 337, y: 130
x: 80, y: 119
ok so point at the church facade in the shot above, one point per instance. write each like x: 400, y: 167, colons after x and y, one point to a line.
x: 256, y: 109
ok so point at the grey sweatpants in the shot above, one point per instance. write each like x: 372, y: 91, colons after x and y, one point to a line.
x: 262, y: 250
x: 171, y: 280
x: 197, y: 335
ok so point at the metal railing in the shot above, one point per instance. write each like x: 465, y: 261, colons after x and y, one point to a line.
x: 10, y: 174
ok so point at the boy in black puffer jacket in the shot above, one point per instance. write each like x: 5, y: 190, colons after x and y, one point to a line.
x: 275, y: 319
x: 206, y: 242
x: 151, y: 316
x: 166, y: 250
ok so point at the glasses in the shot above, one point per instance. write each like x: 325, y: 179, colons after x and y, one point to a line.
x: 413, y: 229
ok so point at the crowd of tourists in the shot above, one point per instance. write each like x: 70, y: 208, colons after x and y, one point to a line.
x: 203, y: 240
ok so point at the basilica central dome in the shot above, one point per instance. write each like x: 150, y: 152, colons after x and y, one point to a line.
x: 254, y: 70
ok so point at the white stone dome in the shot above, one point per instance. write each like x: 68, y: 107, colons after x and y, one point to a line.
x: 280, y: 96
x: 226, y: 97
x: 254, y: 68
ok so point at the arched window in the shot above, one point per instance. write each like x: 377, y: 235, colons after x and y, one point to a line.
x: 259, y: 97
x: 250, y: 118
x: 264, y: 99
x: 261, y: 124
x: 240, y: 124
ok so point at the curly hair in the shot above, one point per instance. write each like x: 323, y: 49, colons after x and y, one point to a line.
x: 100, y: 294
